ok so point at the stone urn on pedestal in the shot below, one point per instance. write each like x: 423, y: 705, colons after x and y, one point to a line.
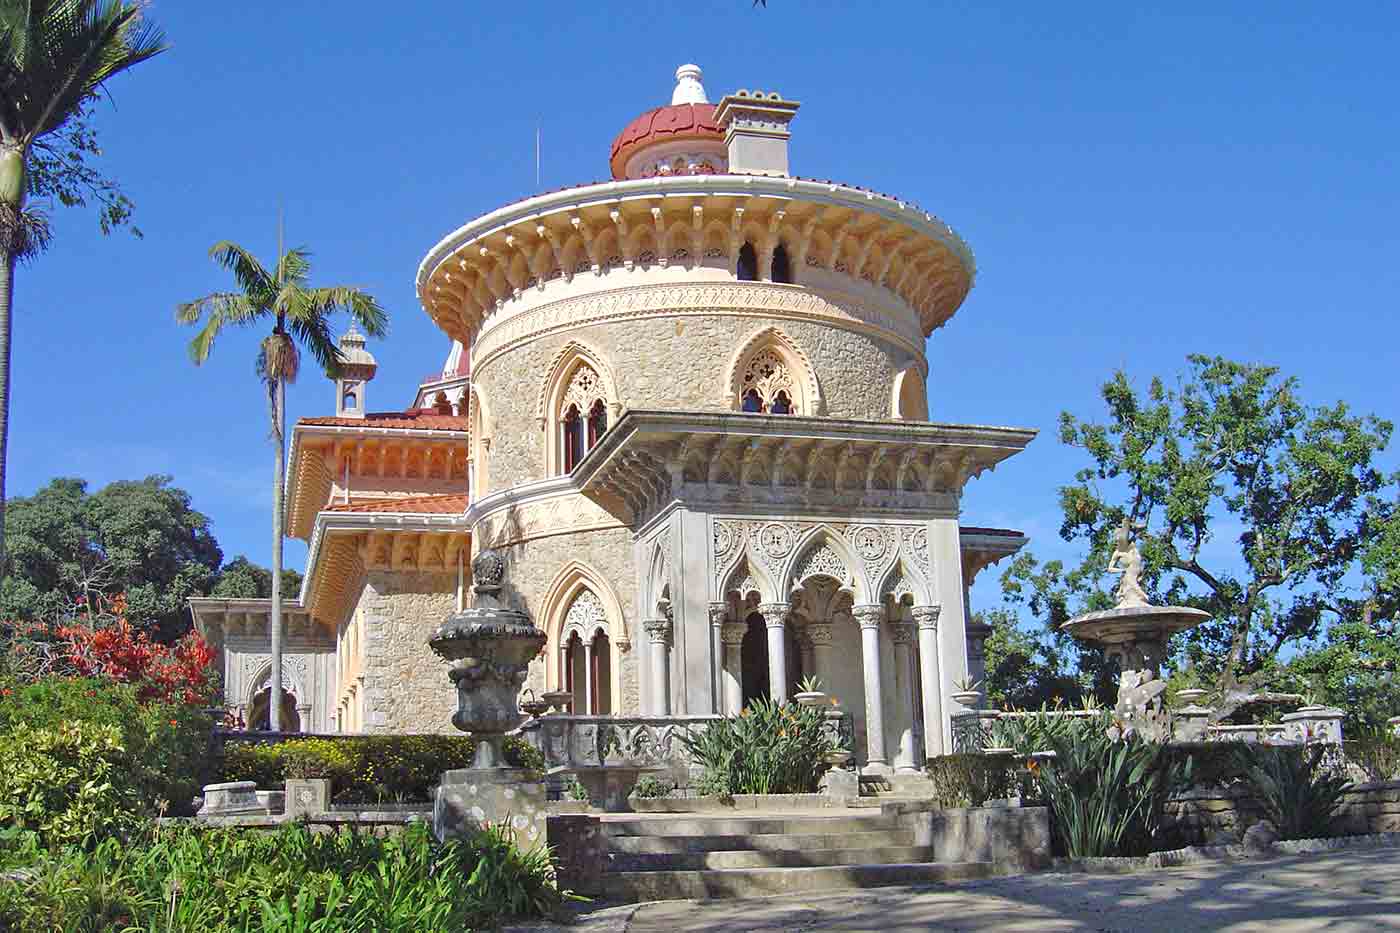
x: 489, y: 648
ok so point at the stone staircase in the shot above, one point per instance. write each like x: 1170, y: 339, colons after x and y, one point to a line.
x: 877, y: 789
x: 701, y: 856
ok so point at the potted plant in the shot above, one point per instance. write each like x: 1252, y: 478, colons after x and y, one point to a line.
x: 809, y: 692
x: 967, y: 692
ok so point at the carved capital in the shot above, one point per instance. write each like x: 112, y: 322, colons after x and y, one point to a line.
x: 718, y: 613
x: 732, y: 633
x: 819, y: 633
x: 902, y: 633
x: 926, y: 617
x: 659, y: 630
x: 775, y: 614
x: 869, y: 616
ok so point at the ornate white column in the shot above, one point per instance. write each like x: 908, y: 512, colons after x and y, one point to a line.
x: 819, y: 637
x: 931, y: 685
x: 732, y: 634
x: 869, y: 618
x: 775, y: 618
x: 718, y: 614
x: 903, y: 634
x: 588, y: 677
x: 659, y: 632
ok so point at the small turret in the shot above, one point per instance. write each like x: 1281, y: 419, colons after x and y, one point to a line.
x: 357, y: 368
x: 756, y: 131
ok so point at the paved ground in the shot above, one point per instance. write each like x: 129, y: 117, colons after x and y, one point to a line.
x: 1348, y: 890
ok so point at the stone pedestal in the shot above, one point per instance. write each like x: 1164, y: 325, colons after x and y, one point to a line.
x: 1313, y: 724
x: 234, y: 798
x: 1189, y: 723
x: 307, y: 796
x: 469, y: 798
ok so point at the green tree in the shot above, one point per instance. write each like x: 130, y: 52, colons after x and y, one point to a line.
x: 1268, y: 513
x: 243, y: 579
x: 69, y: 549
x: 55, y: 57
x: 298, y: 313
x: 1024, y: 670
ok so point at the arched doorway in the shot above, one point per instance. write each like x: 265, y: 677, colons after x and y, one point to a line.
x: 258, y: 719
x: 753, y: 655
x: 588, y: 673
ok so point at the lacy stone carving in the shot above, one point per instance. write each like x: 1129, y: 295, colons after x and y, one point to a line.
x: 583, y: 390
x: 927, y: 616
x: 586, y: 614
x: 723, y: 538
x: 659, y: 630
x: 868, y: 616
x: 897, y: 587
x: 768, y: 375
x: 775, y: 540
x: 819, y: 633
x: 870, y: 544
x: 822, y: 561
x: 732, y: 633
x: 902, y: 633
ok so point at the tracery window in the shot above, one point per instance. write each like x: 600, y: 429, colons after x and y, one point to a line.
x: 583, y: 415
x: 768, y: 384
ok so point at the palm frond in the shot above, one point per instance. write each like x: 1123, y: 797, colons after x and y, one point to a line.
x: 223, y: 309
x: 250, y: 274
x: 360, y: 305
x: 293, y: 267
x: 313, y: 328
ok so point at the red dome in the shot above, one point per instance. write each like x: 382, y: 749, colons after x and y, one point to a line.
x: 664, y: 124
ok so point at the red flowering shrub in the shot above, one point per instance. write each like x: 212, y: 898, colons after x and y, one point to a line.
x: 178, y: 673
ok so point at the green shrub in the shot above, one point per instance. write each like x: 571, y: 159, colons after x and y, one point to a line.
x: 167, y: 744
x: 766, y: 749
x: 651, y: 787
x: 970, y: 780
x: 574, y: 790
x: 1106, y: 796
x: 222, y: 881
x: 70, y: 785
x: 366, y: 768
x: 1376, y: 752
x: 1297, y: 788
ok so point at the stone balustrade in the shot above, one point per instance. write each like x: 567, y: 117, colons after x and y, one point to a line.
x: 618, y: 741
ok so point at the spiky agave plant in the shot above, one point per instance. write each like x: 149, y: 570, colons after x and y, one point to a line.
x: 299, y: 313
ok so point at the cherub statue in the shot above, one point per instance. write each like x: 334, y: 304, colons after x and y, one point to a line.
x: 1126, y: 560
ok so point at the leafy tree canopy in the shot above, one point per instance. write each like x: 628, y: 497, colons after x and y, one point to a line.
x: 1268, y: 513
x: 69, y: 548
x: 243, y: 579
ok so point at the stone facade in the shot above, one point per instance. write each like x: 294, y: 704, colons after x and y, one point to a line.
x: 1211, y: 815
x: 406, y: 689
x: 676, y: 363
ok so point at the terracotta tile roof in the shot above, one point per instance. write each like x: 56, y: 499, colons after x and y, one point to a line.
x: 421, y: 419
x: 993, y: 532
x: 410, y: 505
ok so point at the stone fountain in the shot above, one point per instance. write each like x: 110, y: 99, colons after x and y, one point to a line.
x: 489, y: 647
x: 1135, y: 634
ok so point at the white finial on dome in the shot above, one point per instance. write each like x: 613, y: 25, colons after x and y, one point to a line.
x: 689, y: 90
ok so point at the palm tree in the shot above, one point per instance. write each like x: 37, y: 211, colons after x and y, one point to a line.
x: 55, y: 56
x: 298, y: 313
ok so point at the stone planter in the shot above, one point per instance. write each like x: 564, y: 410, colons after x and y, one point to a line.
x: 969, y: 698
x: 233, y: 798
x: 307, y: 796
x: 1191, y: 695
x: 810, y: 698
x: 610, y: 786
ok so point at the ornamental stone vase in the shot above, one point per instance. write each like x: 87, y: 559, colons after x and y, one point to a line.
x: 489, y: 647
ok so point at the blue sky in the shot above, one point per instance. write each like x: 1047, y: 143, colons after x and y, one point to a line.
x: 1137, y: 185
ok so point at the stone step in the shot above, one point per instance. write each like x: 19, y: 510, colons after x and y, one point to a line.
x: 757, y: 882
x: 740, y: 826
x: 768, y: 858
x: 764, y: 842
x: 874, y: 802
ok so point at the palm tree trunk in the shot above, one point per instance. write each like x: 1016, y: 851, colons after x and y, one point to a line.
x: 12, y: 192
x: 274, y: 708
x: 7, y: 281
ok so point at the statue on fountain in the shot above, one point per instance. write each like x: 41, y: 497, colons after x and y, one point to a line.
x: 1126, y: 559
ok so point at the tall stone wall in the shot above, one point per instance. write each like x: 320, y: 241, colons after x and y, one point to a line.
x: 675, y: 363
x: 406, y: 686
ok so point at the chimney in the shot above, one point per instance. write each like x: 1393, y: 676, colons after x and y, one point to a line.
x: 756, y: 131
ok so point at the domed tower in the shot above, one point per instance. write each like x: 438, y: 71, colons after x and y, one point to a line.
x: 357, y: 368
x: 699, y: 425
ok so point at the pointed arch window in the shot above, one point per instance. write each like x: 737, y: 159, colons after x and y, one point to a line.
x: 768, y: 384
x: 581, y: 417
